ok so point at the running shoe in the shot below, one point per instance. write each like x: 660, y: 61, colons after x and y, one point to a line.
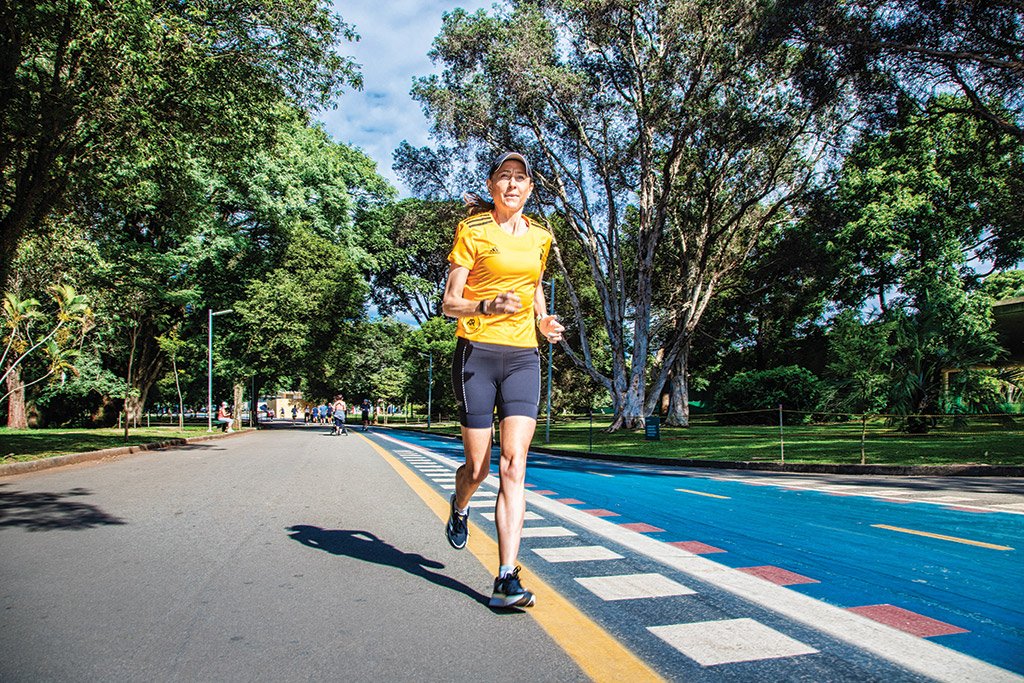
x: 508, y: 592
x: 457, y: 529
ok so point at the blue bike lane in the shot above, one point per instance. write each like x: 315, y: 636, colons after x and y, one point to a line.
x: 949, y: 575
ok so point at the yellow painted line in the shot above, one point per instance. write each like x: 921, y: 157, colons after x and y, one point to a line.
x: 601, y: 656
x: 701, y: 493
x: 955, y: 539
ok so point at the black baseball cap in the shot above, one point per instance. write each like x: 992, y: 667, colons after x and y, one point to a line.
x: 505, y: 156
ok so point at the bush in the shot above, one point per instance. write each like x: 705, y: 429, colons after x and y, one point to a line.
x: 794, y: 387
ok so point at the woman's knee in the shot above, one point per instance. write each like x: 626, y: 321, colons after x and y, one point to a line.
x: 513, y: 467
x: 476, y: 473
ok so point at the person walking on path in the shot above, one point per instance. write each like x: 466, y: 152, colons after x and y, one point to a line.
x: 365, y: 407
x: 496, y: 266
x: 339, y: 415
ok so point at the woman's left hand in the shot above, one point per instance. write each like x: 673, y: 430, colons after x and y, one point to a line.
x: 551, y: 328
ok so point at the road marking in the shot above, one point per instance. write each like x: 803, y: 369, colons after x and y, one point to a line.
x: 578, y: 553
x: 955, y: 539
x: 911, y: 652
x: 595, y: 651
x: 710, y: 643
x: 546, y: 532
x: 601, y: 474
x: 634, y: 586
x: 701, y: 493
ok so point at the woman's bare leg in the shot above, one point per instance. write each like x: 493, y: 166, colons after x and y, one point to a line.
x: 477, y: 445
x: 510, y: 508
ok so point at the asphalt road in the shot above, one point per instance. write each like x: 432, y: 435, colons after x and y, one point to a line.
x: 280, y: 555
x: 293, y: 555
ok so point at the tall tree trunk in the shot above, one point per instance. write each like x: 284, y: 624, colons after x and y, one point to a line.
x: 679, y: 390
x: 144, y: 367
x: 236, y: 406
x: 16, y: 415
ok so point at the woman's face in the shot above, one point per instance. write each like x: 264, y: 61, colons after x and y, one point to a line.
x: 510, y: 186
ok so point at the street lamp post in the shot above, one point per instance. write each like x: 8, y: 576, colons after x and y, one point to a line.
x: 430, y: 387
x: 209, y: 365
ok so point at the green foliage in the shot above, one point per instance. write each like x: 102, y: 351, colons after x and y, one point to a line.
x: 409, y: 242
x: 860, y: 358
x: 88, y: 86
x: 915, y: 48
x: 922, y: 202
x: 758, y: 394
x: 1008, y: 284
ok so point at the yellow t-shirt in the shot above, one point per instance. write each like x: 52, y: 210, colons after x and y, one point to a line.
x: 499, y: 263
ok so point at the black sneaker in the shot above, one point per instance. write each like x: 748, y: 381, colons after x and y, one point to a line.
x: 508, y: 592
x: 457, y: 529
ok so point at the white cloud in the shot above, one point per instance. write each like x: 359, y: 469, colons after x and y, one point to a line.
x: 395, y: 37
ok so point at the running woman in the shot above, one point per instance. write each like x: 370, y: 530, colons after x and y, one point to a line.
x: 495, y: 268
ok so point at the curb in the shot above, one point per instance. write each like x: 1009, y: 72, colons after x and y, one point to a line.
x: 104, y: 454
x: 971, y: 470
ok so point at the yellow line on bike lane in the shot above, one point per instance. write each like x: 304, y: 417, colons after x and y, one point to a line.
x: 701, y: 493
x: 601, y: 656
x: 955, y: 539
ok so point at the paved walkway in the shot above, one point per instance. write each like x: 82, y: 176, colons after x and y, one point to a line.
x: 279, y: 555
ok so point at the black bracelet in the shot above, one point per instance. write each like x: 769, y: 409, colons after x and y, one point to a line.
x: 482, y: 308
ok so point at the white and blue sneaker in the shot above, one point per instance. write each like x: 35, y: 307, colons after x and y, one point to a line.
x: 457, y: 529
x: 508, y: 592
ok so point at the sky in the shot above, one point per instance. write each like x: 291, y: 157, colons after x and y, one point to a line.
x: 395, y: 37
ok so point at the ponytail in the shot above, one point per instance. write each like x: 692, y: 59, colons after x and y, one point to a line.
x: 475, y: 204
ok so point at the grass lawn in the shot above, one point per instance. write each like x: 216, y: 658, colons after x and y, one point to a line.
x: 980, y: 442
x: 32, y: 444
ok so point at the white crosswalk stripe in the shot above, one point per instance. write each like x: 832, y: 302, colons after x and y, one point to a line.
x: 577, y: 553
x: 633, y: 586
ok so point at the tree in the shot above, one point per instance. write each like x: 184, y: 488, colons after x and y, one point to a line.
x: 920, y: 204
x: 921, y: 48
x: 82, y: 84
x: 678, y: 127
x: 919, y: 207
x: 64, y: 330
x: 1008, y: 284
x: 409, y: 242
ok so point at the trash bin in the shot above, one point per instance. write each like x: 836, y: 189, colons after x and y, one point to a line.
x: 652, y: 428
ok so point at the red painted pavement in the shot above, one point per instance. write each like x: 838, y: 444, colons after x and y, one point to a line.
x: 641, y: 528
x: 778, y: 575
x: 696, y: 547
x: 568, y: 501
x: 545, y: 493
x: 598, y: 512
x: 905, y: 620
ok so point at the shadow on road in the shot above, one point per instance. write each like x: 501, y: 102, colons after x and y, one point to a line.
x: 365, y: 546
x: 40, y: 511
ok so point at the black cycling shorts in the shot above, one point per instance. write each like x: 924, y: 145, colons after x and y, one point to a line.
x: 489, y: 376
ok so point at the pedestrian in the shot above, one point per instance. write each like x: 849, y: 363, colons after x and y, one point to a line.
x: 339, y: 415
x: 493, y: 290
x: 295, y: 413
x: 305, y: 414
x: 224, y: 417
x: 365, y: 407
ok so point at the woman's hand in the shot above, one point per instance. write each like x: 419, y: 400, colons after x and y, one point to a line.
x: 551, y: 328
x: 509, y: 302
